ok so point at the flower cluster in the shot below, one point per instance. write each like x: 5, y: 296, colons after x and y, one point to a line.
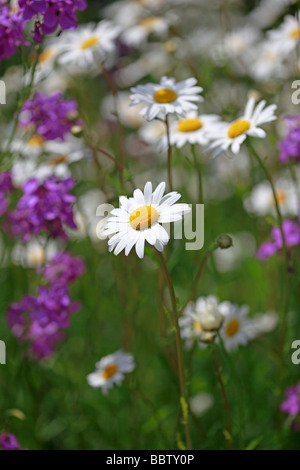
x: 12, y: 27
x: 291, y: 405
x: 51, y: 117
x: 290, y: 145
x: 54, y: 14
x: 6, y: 187
x: 41, y: 319
x: 9, y: 442
x: 45, y: 206
x: 291, y: 232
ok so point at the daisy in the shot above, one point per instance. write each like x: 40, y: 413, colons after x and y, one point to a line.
x: 261, y: 202
x: 34, y: 253
x: 166, y: 97
x: 200, y: 320
x: 85, y: 48
x: 287, y: 36
x: 233, y: 134
x: 234, y: 330
x: 193, y: 129
x: 110, y: 370
x: 139, y: 219
x: 262, y: 323
x: 138, y: 33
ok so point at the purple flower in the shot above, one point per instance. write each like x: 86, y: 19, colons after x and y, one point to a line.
x: 51, y: 14
x: 63, y: 269
x: 290, y: 146
x: 41, y: 320
x: 291, y: 405
x: 51, y: 117
x: 9, y: 442
x: 44, y: 207
x: 6, y: 187
x: 12, y: 27
x: 291, y: 231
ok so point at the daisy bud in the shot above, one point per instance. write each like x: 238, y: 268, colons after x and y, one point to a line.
x: 77, y: 131
x: 224, y: 242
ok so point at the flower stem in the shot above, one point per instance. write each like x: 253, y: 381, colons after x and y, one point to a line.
x: 197, y: 165
x: 179, y: 349
x: 170, y: 180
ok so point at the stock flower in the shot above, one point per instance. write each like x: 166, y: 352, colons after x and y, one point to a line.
x: 44, y: 207
x: 286, y: 38
x: 139, y: 219
x: 12, y: 28
x: 166, y: 97
x: 193, y: 129
x: 62, y: 269
x: 51, y: 14
x: 200, y: 320
x: 88, y: 47
x: 41, y: 320
x: 289, y: 146
x: 6, y: 186
x: 291, y: 232
x: 9, y: 442
x: 261, y: 202
x: 233, y: 134
x: 50, y: 117
x: 234, y: 330
x: 291, y: 405
x: 110, y: 370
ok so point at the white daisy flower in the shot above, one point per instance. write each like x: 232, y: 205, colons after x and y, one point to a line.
x: 138, y: 33
x: 200, y: 320
x: 193, y: 129
x: 34, y: 253
x: 287, y: 36
x: 262, y: 323
x: 234, y: 330
x: 166, y: 97
x: 236, y: 42
x: 139, y: 219
x: 110, y: 370
x: 261, y: 202
x: 267, y: 62
x: 233, y: 134
x: 85, y: 48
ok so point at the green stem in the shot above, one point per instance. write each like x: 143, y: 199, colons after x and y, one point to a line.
x: 179, y: 349
x: 197, y: 165
x: 169, y: 163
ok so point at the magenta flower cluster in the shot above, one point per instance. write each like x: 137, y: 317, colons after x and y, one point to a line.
x: 12, y: 28
x: 50, y: 14
x: 291, y: 405
x: 291, y: 232
x: 44, y: 207
x: 41, y: 320
x: 51, y: 117
x: 290, y: 146
x: 9, y: 442
x: 6, y: 187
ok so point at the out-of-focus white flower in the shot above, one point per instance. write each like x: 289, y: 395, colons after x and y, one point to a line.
x: 137, y: 34
x: 128, y: 115
x: 139, y: 219
x: 260, y: 201
x: 232, y: 135
x: 234, y: 330
x: 86, y: 48
x: 110, y: 370
x: 201, y: 403
x: 286, y: 38
x: 262, y: 323
x: 34, y: 253
x: 235, y: 43
x: 266, y: 62
x: 166, y: 97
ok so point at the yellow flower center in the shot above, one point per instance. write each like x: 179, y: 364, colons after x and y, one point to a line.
x: 232, y: 327
x: 89, y: 43
x: 109, y: 371
x: 36, y: 256
x: 36, y: 141
x: 46, y: 55
x: 295, y: 34
x: 189, y: 125
x: 237, y: 128
x: 198, y: 326
x: 280, y: 196
x: 143, y: 217
x: 58, y: 160
x: 165, y: 96
x: 149, y: 23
